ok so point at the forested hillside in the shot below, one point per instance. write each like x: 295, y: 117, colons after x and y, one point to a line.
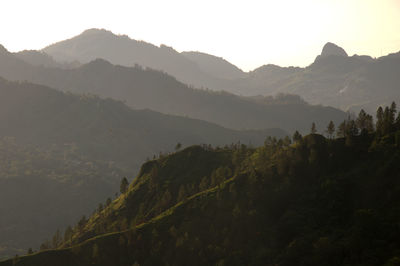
x: 63, y: 153
x: 316, y: 201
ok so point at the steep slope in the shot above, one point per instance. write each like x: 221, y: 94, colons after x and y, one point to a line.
x: 121, y: 50
x: 146, y: 88
x: 216, y: 66
x: 38, y: 58
x: 317, y: 202
x: 73, y: 150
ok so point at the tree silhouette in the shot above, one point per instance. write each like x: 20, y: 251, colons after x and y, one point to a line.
x: 330, y: 130
x: 313, y: 128
x: 124, y: 185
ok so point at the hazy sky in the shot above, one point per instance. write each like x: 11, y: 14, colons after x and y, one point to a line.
x: 247, y: 33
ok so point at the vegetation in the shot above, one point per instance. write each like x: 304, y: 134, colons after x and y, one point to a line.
x: 318, y: 201
x: 63, y: 153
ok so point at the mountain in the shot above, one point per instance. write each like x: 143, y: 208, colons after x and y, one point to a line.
x: 147, y: 88
x: 63, y: 153
x: 38, y: 58
x: 121, y: 50
x: 331, y: 49
x: 350, y: 89
x: 334, y: 79
x: 315, y: 202
x: 216, y: 66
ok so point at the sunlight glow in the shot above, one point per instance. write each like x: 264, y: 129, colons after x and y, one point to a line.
x: 246, y: 33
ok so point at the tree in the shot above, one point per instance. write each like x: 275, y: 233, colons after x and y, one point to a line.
x: 364, y: 122
x: 313, y: 128
x: 68, y: 234
x: 297, y: 136
x: 178, y: 146
x: 124, y: 185
x: 82, y: 222
x: 341, y: 132
x: 57, y: 239
x: 330, y: 130
x: 108, y: 202
x: 100, y: 208
x: 181, y: 193
x: 379, y: 121
x: 287, y: 141
x: 30, y: 251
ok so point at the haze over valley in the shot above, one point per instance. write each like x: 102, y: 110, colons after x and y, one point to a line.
x: 118, y: 150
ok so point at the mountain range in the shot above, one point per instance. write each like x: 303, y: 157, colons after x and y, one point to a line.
x: 144, y: 88
x: 334, y: 79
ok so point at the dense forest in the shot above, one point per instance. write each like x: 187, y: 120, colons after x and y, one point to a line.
x: 309, y: 200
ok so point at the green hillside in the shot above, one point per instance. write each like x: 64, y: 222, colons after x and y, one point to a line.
x: 61, y: 154
x: 317, y: 201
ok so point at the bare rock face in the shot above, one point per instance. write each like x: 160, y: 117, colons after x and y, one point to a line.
x: 332, y: 49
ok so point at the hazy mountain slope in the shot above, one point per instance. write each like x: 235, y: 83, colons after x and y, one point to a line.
x: 334, y: 79
x: 121, y: 50
x: 45, y: 189
x: 146, y: 88
x: 318, y: 202
x: 318, y: 84
x: 38, y: 58
x: 215, y: 66
x: 104, y: 128
x: 74, y: 149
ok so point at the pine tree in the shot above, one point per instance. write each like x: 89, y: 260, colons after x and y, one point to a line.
x: 313, y: 128
x: 123, y: 186
x: 330, y: 130
x: 178, y: 146
x: 379, y: 121
x: 297, y: 136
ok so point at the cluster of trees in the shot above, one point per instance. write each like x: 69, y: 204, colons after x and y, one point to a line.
x: 386, y: 122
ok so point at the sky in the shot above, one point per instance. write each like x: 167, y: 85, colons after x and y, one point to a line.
x: 247, y: 33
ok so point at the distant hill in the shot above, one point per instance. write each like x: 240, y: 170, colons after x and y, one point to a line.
x: 121, y: 50
x: 316, y: 202
x: 215, y: 66
x: 62, y: 154
x: 334, y: 79
x: 38, y: 58
x: 147, y: 88
x: 363, y: 82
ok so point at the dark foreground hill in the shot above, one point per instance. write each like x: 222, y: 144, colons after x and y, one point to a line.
x: 62, y: 153
x: 316, y: 202
x: 146, y: 88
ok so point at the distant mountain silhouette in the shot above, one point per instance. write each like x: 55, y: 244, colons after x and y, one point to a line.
x: 330, y: 49
x: 121, y: 50
x: 146, y: 88
x: 38, y: 58
x: 215, y: 66
x: 334, y: 79
x: 338, y: 80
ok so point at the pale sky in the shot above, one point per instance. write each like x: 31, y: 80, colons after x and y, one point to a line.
x: 248, y: 33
